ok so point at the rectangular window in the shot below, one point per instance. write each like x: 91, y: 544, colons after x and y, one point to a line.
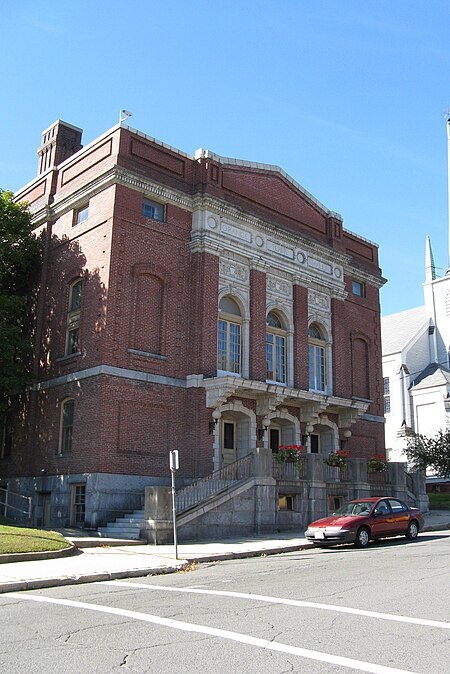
x: 6, y: 438
x: 334, y: 503
x: 73, y: 318
x: 229, y: 346
x: 65, y: 445
x: 358, y: 288
x: 387, y: 395
x: 316, y: 362
x: 81, y: 214
x: 78, y: 509
x: 275, y: 358
x: 151, y: 209
x: 286, y: 502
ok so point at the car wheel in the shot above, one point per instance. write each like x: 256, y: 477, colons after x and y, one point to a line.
x: 362, y: 538
x: 412, y: 530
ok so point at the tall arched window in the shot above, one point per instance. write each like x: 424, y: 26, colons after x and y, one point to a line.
x: 229, y: 336
x: 316, y: 358
x: 275, y: 348
x: 66, y: 428
x: 73, y: 317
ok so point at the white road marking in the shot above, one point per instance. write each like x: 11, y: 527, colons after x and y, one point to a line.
x: 214, y: 632
x: 287, y: 602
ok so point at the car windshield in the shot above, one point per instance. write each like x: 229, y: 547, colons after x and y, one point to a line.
x: 354, y: 508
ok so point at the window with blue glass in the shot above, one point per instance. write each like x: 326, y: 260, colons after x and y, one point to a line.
x: 229, y: 336
x: 316, y: 358
x: 275, y: 349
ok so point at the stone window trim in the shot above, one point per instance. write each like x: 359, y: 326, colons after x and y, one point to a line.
x: 146, y: 354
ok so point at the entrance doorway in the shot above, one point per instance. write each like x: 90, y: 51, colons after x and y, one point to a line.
x: 228, y: 442
x: 315, y: 443
x: 274, y: 440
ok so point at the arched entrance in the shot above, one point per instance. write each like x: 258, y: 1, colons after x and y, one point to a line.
x: 235, y: 435
x: 324, y: 437
x: 284, y: 429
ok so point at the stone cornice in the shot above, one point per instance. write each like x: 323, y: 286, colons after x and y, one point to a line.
x: 366, y: 277
x: 205, y: 241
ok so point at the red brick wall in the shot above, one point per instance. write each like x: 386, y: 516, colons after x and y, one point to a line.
x: 144, y: 289
x: 257, y: 350
x: 301, y: 337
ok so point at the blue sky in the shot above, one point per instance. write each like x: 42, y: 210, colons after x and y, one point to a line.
x: 347, y: 96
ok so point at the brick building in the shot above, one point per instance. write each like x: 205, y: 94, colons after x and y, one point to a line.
x: 198, y: 303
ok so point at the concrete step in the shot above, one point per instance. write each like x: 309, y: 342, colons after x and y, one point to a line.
x: 125, y: 532
x: 125, y: 523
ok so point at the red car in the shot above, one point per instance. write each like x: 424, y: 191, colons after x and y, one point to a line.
x: 366, y: 519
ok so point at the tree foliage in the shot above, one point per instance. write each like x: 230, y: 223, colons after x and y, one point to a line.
x: 432, y: 453
x: 20, y: 254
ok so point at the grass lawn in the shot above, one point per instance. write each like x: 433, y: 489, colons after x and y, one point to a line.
x: 15, y: 539
x: 441, y: 500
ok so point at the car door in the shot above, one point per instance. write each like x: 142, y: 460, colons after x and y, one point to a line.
x: 381, y: 519
x: 400, y: 516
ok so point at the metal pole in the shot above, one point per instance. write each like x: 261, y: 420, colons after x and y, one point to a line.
x: 174, y: 515
x: 174, y: 464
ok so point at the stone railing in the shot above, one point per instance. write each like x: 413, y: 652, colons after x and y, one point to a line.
x: 202, y: 489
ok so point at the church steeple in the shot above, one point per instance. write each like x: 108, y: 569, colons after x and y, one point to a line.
x: 430, y: 268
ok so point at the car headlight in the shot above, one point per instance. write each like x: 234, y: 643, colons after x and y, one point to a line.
x: 334, y: 530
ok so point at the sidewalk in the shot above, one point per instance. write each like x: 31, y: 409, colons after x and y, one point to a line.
x: 112, y: 559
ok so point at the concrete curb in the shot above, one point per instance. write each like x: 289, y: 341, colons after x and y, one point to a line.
x: 36, y: 556
x: 181, y: 565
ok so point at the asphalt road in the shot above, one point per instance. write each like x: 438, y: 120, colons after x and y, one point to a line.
x: 384, y: 609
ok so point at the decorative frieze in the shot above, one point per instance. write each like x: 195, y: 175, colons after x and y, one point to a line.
x: 235, y: 232
x: 280, y: 249
x: 319, y: 302
x: 233, y: 270
x: 278, y: 287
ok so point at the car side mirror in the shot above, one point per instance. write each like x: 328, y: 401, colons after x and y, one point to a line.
x: 377, y: 513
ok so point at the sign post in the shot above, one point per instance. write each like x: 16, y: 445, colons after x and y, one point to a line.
x: 174, y: 465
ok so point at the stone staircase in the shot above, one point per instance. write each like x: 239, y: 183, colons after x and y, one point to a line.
x: 126, y: 527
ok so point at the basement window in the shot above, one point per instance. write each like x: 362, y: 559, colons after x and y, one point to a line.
x: 334, y: 503
x: 286, y: 502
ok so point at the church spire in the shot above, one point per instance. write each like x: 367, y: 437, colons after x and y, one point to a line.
x: 430, y: 269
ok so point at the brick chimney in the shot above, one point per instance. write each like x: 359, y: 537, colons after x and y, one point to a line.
x: 59, y: 141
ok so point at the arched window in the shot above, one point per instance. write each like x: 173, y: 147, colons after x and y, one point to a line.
x: 66, y: 426
x: 229, y: 336
x: 275, y: 348
x: 316, y: 358
x: 73, y: 317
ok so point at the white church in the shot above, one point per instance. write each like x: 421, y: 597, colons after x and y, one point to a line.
x: 416, y: 362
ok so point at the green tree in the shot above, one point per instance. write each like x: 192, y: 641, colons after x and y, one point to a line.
x: 20, y: 255
x: 430, y: 452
